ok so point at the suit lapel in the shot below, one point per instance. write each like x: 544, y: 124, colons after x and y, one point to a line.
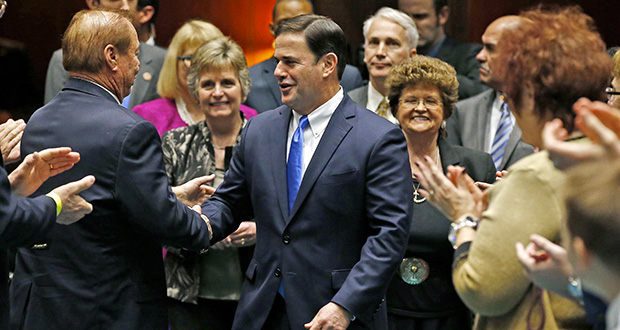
x: 274, y: 88
x: 278, y: 136
x: 338, y: 127
x: 447, y: 154
x: 484, y: 122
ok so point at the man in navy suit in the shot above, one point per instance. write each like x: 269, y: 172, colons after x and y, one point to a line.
x: 24, y: 221
x: 265, y: 93
x: 105, y: 271
x: 332, y: 217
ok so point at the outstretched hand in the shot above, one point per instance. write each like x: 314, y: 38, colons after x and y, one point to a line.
x: 10, y: 137
x: 40, y: 166
x: 74, y: 207
x: 195, y: 191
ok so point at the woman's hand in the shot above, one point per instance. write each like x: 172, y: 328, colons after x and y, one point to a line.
x: 455, y: 195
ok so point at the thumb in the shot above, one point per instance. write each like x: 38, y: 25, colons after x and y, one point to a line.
x: 204, y: 179
x: 77, y: 187
x: 197, y: 208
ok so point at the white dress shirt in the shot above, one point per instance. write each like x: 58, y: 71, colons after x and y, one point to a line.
x: 374, y: 99
x: 317, y: 123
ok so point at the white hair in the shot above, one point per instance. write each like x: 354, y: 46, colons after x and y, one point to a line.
x: 399, y: 18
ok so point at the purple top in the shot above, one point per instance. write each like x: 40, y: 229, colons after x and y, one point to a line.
x: 164, y: 115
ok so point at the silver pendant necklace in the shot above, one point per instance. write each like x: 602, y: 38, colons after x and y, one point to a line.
x: 416, y: 194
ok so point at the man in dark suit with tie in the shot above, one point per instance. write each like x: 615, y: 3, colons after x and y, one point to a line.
x: 105, y: 271
x: 332, y: 217
x: 151, y: 57
x: 484, y: 122
x: 265, y: 93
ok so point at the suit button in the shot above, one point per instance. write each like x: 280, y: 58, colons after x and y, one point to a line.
x: 286, y: 239
x: 278, y: 272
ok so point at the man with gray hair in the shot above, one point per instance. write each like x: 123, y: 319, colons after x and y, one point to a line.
x: 390, y: 37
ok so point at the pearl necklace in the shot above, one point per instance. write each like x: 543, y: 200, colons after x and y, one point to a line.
x: 416, y: 194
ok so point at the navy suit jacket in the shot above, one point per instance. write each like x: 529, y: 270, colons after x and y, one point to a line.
x: 144, y: 87
x: 265, y: 92
x: 104, y: 271
x: 23, y: 221
x: 348, y: 227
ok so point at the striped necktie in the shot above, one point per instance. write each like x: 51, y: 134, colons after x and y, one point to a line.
x: 501, y: 136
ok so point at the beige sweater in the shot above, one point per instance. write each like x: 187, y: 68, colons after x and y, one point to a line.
x: 489, y: 278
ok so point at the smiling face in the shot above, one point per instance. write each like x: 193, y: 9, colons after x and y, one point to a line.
x: 386, y: 45
x: 420, y: 109
x: 220, y: 93
x: 299, y: 75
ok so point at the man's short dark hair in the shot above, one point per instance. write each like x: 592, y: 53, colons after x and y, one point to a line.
x: 273, y: 12
x: 322, y: 36
x: 438, y: 4
x: 152, y: 3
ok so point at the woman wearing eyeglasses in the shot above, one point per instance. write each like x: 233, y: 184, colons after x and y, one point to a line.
x: 423, y: 92
x: 613, y: 92
x: 177, y: 108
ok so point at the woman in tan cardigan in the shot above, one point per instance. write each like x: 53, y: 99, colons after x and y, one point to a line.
x: 554, y: 58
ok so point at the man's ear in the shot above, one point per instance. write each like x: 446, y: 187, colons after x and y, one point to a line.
x: 92, y: 4
x: 145, y: 14
x: 443, y: 15
x: 413, y: 52
x: 330, y: 64
x: 581, y: 251
x: 110, y: 54
x: 272, y: 29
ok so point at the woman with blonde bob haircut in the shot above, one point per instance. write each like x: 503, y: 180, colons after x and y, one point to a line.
x: 177, y: 107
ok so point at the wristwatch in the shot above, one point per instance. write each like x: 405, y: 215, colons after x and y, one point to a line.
x: 456, y: 226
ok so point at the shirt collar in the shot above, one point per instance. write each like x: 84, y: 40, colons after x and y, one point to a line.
x: 319, y: 118
x: 105, y: 89
x: 374, y: 97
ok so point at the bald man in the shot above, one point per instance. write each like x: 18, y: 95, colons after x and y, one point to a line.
x: 476, y: 121
x: 265, y: 92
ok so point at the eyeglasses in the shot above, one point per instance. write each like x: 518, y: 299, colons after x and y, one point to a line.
x: 187, y: 60
x: 3, y: 5
x: 413, y: 102
x: 611, y: 92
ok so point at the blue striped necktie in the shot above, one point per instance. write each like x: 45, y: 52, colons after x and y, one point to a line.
x: 501, y: 136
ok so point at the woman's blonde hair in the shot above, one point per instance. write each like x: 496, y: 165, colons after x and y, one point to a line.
x: 192, y: 34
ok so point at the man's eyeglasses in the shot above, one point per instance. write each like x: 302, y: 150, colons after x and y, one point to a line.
x: 611, y: 92
x: 187, y: 59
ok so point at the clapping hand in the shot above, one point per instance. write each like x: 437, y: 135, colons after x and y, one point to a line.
x: 10, y: 137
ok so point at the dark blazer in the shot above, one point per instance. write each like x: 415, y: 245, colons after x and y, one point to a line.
x: 23, y: 221
x: 348, y: 227
x: 469, y: 127
x: 144, y: 88
x: 265, y: 92
x: 462, y: 56
x: 428, y: 240
x: 106, y: 270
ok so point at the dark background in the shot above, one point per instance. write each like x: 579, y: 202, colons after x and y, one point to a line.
x: 31, y: 30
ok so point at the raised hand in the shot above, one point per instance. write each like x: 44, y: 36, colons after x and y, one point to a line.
x: 10, y: 137
x: 40, y: 166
